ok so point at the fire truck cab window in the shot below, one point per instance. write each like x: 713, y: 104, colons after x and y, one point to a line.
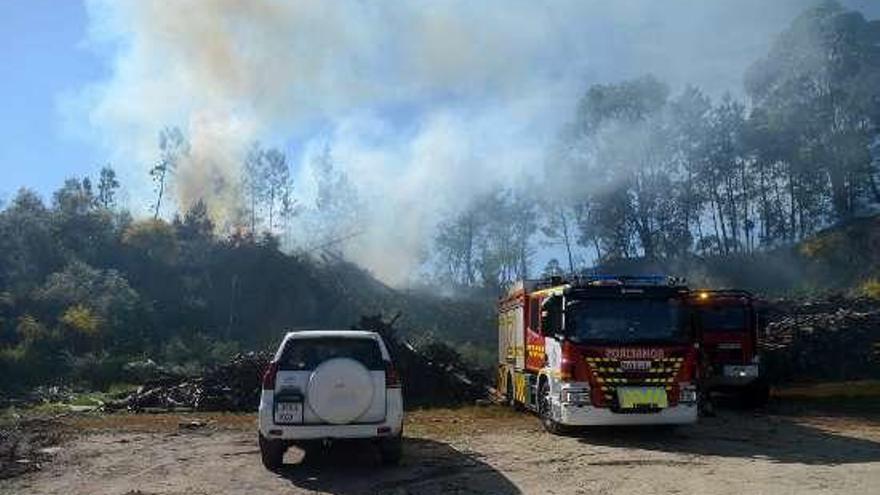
x: 551, y: 316
x: 724, y: 318
x: 625, y: 321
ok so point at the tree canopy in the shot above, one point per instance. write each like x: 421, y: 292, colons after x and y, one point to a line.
x: 643, y: 173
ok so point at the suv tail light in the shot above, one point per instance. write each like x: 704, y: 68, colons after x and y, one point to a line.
x: 392, y: 379
x: 269, y: 376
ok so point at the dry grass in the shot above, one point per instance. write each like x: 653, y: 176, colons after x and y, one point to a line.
x: 870, y: 288
x: 465, y: 421
x: 451, y: 423
x: 162, y: 422
x: 434, y: 423
x: 867, y: 389
x: 859, y: 401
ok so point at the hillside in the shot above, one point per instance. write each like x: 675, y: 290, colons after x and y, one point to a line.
x: 843, y: 258
x: 88, y: 295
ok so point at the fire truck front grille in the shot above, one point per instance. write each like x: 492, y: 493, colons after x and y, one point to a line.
x: 636, y: 410
x: 609, y: 374
x: 731, y: 356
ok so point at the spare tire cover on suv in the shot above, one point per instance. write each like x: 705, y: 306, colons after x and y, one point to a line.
x: 340, y: 390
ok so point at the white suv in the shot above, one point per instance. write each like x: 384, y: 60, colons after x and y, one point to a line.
x: 325, y: 385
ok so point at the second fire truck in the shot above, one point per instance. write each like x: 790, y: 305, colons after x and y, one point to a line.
x: 609, y: 350
x: 727, y: 325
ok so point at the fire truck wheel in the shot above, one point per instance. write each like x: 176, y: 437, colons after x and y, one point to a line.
x: 547, y: 420
x: 755, y: 396
x: 511, y: 400
x: 508, y: 393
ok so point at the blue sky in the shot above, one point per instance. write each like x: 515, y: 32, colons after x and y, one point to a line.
x: 42, y: 58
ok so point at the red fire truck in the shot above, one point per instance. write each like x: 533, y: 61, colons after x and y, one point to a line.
x: 601, y: 350
x: 728, y: 332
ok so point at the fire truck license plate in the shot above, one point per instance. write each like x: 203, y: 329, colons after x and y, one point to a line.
x: 635, y: 365
x: 288, y: 412
x: 634, y: 397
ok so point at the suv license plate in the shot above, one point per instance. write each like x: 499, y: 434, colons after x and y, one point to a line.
x: 288, y: 412
x: 635, y: 397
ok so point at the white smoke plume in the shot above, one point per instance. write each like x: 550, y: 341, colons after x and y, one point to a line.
x: 425, y: 104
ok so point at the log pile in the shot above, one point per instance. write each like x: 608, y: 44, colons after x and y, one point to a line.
x: 235, y: 386
x: 832, y: 339
x: 434, y: 375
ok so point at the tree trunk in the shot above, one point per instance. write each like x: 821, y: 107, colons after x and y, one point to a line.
x: 765, y: 205
x: 779, y: 208
x: 161, y: 191
x: 715, y: 223
x: 874, y: 189
x: 271, y: 207
x: 839, y: 193
x: 747, y: 229
x: 567, y: 240
x: 792, y: 227
x: 470, y: 279
x: 733, y: 223
x: 232, y: 314
x: 720, y: 212
x: 253, y: 211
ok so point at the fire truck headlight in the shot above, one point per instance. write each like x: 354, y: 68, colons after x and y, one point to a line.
x: 687, y: 394
x: 576, y: 396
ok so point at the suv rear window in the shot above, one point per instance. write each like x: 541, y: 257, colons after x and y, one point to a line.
x: 307, y: 354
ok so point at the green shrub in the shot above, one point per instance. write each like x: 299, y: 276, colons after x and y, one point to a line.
x: 97, y: 371
x: 870, y: 288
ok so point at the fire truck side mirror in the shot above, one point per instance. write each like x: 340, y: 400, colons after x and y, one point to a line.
x: 546, y: 322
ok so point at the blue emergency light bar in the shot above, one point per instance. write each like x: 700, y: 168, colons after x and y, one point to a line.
x: 622, y: 280
x: 650, y: 280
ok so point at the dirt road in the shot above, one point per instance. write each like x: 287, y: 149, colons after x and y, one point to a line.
x: 473, y: 450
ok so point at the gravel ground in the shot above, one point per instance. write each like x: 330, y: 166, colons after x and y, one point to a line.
x: 472, y: 450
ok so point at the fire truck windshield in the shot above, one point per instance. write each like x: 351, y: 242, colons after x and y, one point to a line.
x: 724, y: 318
x: 625, y: 320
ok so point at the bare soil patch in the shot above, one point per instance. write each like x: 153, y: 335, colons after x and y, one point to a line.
x: 27, y: 444
x: 470, y: 450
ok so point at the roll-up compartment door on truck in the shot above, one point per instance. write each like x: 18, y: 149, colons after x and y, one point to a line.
x: 512, y: 348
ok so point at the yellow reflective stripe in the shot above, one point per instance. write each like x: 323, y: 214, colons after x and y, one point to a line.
x: 519, y: 387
